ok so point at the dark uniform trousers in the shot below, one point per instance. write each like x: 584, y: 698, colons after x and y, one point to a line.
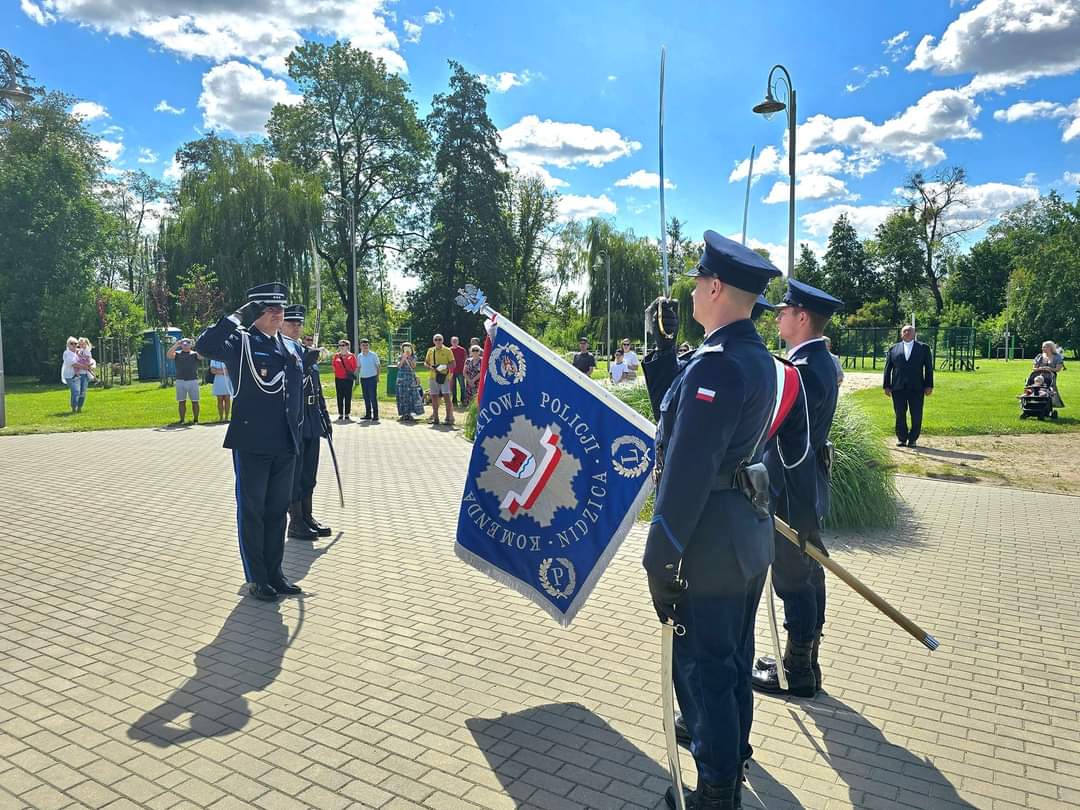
x: 311, y: 431
x: 264, y: 437
x: 713, y: 408
x: 799, y: 580
x: 264, y: 484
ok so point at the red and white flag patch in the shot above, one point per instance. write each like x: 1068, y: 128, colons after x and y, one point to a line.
x: 705, y: 394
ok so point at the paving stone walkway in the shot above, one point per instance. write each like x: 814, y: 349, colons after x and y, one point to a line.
x: 134, y: 674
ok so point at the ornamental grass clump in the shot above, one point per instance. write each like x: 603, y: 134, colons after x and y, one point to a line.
x: 863, y: 481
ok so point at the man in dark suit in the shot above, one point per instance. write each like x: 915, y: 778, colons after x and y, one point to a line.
x: 909, y: 376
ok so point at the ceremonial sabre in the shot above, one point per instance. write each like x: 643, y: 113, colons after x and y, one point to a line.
x: 774, y: 631
x: 852, y: 581
x: 667, y: 700
x: 663, y: 215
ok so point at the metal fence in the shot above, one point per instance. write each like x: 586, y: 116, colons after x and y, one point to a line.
x: 953, y: 347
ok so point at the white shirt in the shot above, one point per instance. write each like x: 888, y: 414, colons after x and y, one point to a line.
x: 618, y: 371
x: 631, y: 359
x: 67, y: 370
x: 793, y: 349
x: 907, y: 348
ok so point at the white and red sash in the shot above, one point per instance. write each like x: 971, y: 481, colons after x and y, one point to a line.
x: 788, y: 384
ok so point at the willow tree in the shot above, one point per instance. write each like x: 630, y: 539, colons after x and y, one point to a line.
x: 247, y: 219
x: 635, y: 278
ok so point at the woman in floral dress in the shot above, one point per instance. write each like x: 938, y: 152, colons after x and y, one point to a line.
x: 410, y: 402
x: 472, y: 374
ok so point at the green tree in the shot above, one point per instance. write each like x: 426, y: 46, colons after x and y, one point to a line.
x: 809, y: 270
x: 199, y: 300
x: 469, y: 236
x: 896, y: 253
x: 357, y: 130
x: 980, y: 277
x: 51, y: 226
x: 848, y: 274
x: 129, y: 199
x: 124, y: 317
x: 635, y: 279
x: 531, y: 210
x: 246, y: 219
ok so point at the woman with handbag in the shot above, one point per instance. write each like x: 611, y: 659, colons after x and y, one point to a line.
x: 410, y: 398
x: 344, y: 363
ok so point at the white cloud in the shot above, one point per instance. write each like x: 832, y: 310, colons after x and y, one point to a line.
x: 1030, y: 179
x: 501, y: 82
x: 612, y: 77
x: 644, y: 179
x: 147, y: 155
x: 1023, y: 110
x: 173, y: 172
x: 413, y: 32
x: 165, y: 107
x: 550, y: 181
x: 574, y: 206
x: 911, y: 136
x: 833, y: 161
x: 895, y: 46
x: 984, y: 203
x: 555, y: 143
x: 1071, y: 178
x: 89, y: 111
x: 778, y: 250
x: 110, y: 150
x: 35, y: 13
x: 865, y: 218
x: 239, y: 97
x: 876, y: 73
x: 261, y: 31
x: 810, y: 187
x: 435, y: 16
x: 1006, y: 43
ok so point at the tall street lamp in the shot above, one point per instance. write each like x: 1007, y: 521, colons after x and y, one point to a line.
x: 11, y: 96
x: 353, y: 287
x: 769, y: 107
x: 596, y: 264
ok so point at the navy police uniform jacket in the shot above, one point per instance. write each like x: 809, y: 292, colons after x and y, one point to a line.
x: 800, y: 495
x: 314, y: 403
x: 713, y: 411
x: 267, y: 409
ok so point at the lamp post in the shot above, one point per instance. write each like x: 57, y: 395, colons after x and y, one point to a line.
x: 353, y: 287
x: 769, y: 107
x: 11, y: 96
x: 607, y: 262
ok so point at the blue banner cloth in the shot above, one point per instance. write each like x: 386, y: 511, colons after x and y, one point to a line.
x: 559, y: 471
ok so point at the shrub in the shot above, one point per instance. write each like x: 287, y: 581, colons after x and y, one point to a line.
x: 863, y: 482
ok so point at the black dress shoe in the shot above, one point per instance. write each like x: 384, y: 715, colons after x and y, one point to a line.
x: 911, y: 443
x: 264, y: 593
x: 682, y: 733
x: 286, y: 588
x: 901, y: 443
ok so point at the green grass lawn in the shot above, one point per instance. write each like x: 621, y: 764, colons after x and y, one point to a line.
x: 36, y: 407
x: 971, y: 403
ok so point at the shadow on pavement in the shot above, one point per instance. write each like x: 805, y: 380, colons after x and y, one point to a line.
x: 300, y: 555
x: 567, y: 751
x: 877, y: 772
x: 245, y: 657
x: 905, y: 535
x: 950, y: 454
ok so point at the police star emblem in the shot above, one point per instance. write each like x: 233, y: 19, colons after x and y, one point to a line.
x: 530, y: 472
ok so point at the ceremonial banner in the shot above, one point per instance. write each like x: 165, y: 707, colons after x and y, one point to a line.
x: 559, y: 471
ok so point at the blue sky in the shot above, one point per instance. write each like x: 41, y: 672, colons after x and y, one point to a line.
x: 883, y: 89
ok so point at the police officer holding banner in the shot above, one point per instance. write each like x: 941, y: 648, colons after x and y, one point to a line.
x: 710, y: 540
x: 801, y: 319
x: 264, y: 434
x: 302, y: 524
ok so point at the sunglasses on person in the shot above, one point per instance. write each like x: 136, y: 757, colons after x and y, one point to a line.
x: 438, y: 340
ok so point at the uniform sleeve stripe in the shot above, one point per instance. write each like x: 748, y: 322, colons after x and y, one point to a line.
x: 659, y: 521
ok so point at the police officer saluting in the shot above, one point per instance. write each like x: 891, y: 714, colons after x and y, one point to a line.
x: 264, y: 432
x: 302, y: 525
x: 710, y: 540
x: 799, y: 580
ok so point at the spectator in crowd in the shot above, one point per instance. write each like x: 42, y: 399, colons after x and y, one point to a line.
x: 458, y: 381
x: 684, y: 347
x: 86, y: 358
x: 74, y: 375
x: 472, y: 374
x: 584, y: 361
x: 836, y: 361
x: 369, y: 368
x: 186, y: 360
x: 1051, y: 359
x: 619, y: 371
x: 223, y: 389
x: 410, y: 396
x: 475, y: 342
x: 344, y: 363
x: 440, y: 360
x: 630, y: 358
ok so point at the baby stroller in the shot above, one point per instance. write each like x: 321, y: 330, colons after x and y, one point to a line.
x: 1040, y: 398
